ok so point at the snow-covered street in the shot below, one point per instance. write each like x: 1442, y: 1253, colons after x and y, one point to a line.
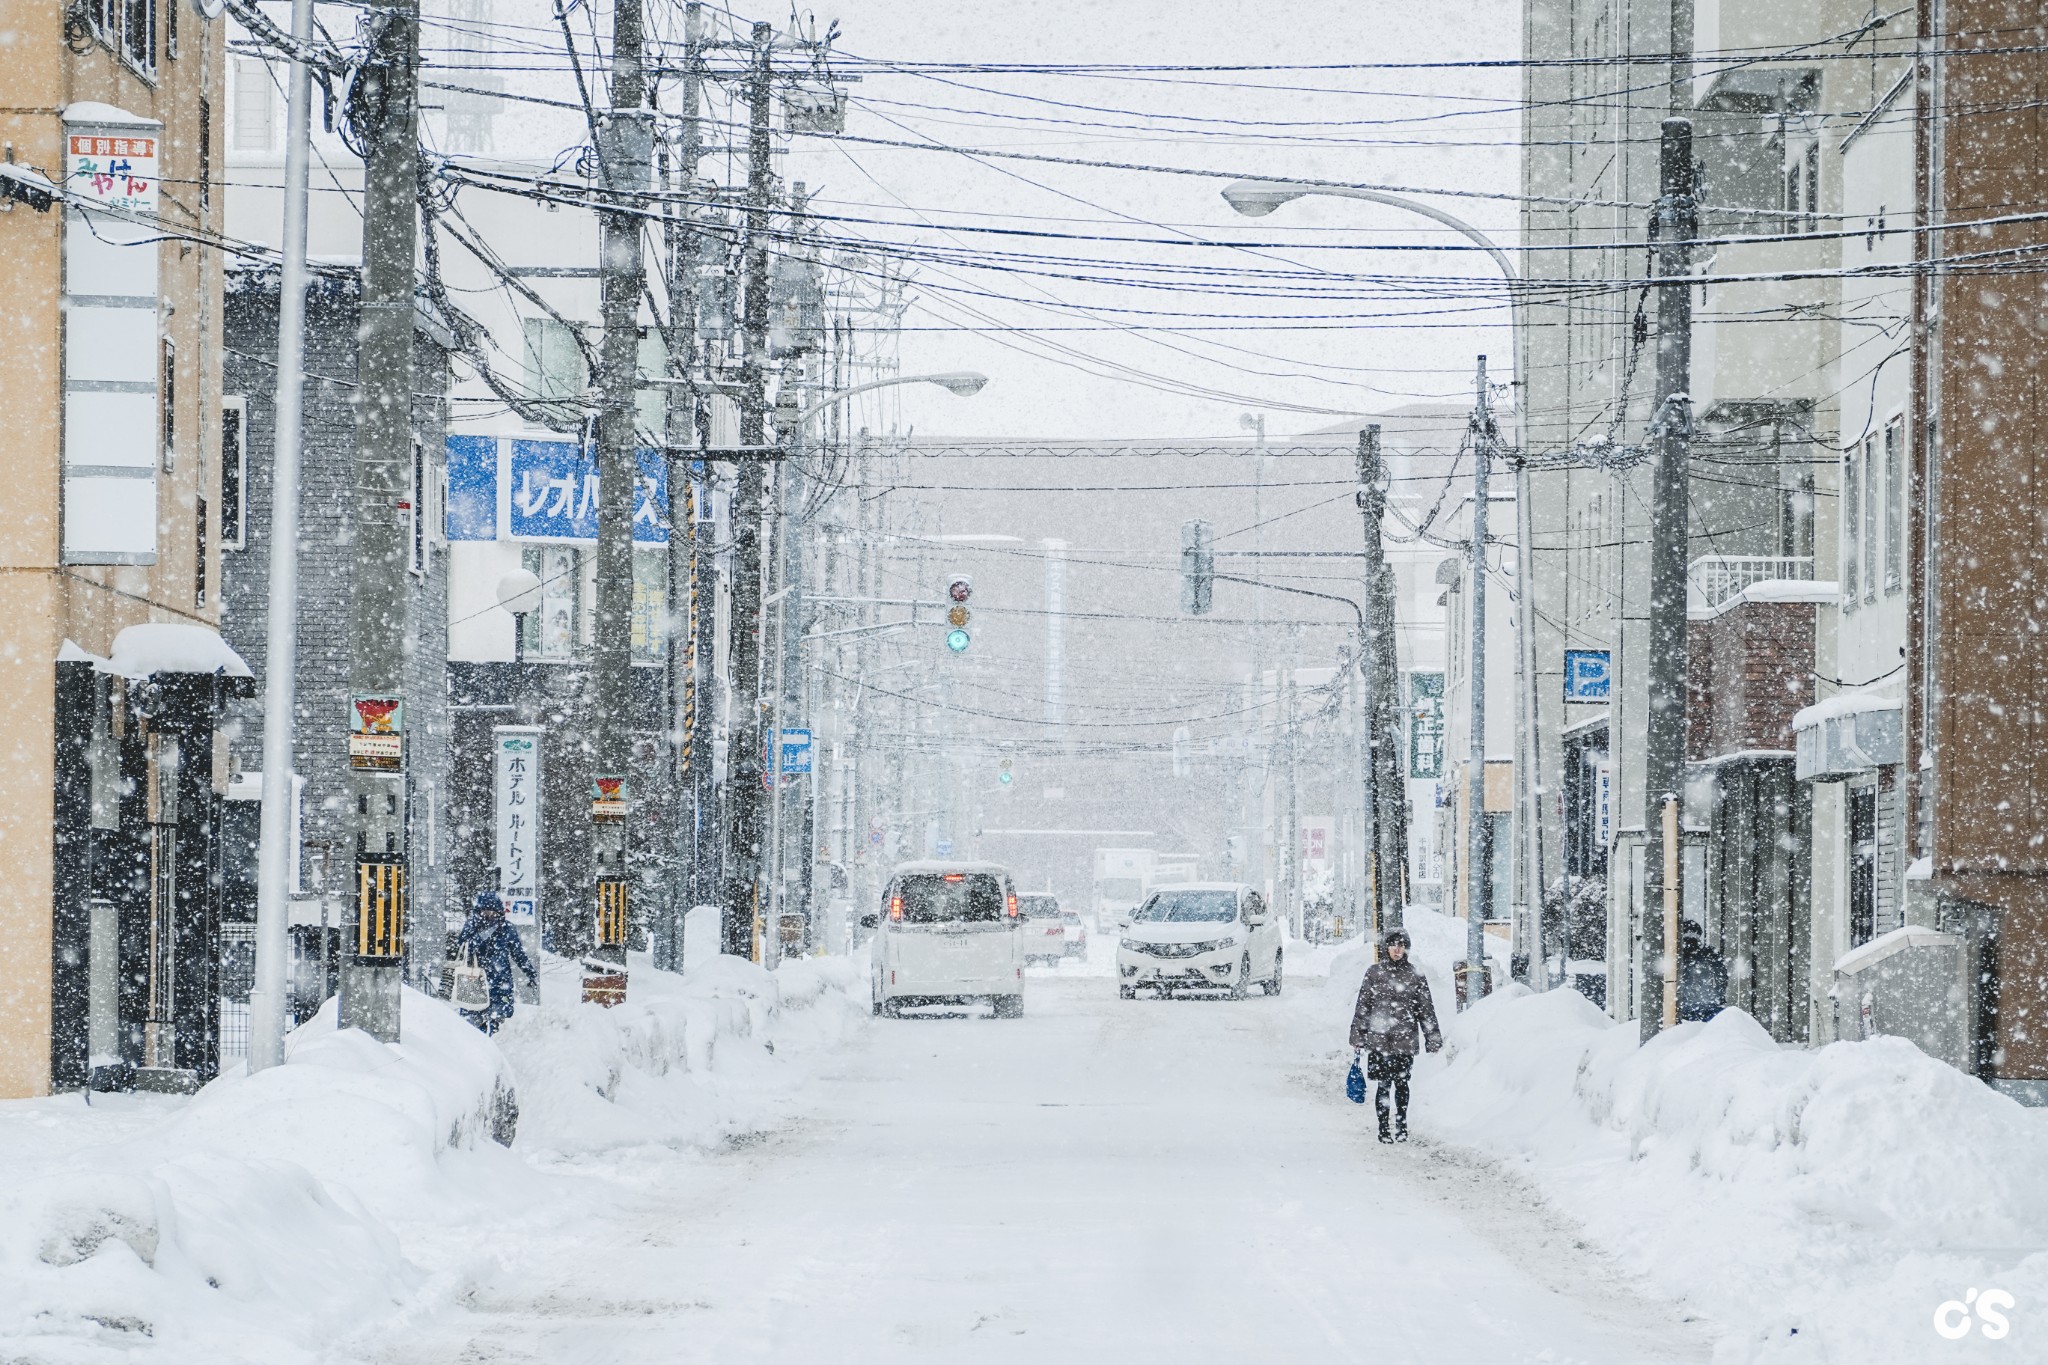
x: 1102, y: 1180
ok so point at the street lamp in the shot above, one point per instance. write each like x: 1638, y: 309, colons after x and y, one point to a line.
x: 961, y: 384
x: 1258, y: 198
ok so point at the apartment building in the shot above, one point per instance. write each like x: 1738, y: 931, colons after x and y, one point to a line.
x: 115, y: 671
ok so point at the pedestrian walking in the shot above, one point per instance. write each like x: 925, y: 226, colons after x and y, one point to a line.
x: 1702, y: 976
x: 1395, y: 1019
x: 487, y: 941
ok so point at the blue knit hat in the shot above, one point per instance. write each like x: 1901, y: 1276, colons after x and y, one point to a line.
x: 488, y: 900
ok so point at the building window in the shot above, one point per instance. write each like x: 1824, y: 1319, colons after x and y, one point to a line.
x: 170, y: 404
x: 1870, y: 527
x: 552, y: 632
x: 171, y: 29
x: 205, y: 155
x: 1895, y: 504
x: 234, y: 473
x: 1852, y: 522
x: 199, y: 543
x: 129, y: 28
x: 254, y: 121
x: 416, y: 554
x: 1862, y: 866
x: 554, y: 363
x: 650, y: 603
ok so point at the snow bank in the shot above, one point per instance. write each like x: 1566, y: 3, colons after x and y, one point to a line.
x: 296, y: 1214
x: 1818, y: 1204
x: 686, y: 1061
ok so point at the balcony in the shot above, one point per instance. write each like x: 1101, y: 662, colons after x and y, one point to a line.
x: 1712, y: 580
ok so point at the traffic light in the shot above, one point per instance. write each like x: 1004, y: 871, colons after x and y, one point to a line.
x: 1197, y: 567
x: 958, y: 589
x: 1003, y: 773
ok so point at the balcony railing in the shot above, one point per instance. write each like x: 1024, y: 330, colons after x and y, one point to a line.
x: 1713, y: 579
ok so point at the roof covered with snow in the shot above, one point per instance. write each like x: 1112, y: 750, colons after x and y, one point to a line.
x: 106, y: 115
x: 1853, y: 702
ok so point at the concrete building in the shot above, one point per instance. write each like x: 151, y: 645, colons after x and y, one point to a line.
x: 109, y: 543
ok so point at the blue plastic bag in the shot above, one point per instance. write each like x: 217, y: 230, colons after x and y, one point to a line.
x: 1354, y: 1084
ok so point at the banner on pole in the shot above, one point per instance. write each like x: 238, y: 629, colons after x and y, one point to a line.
x: 517, y: 750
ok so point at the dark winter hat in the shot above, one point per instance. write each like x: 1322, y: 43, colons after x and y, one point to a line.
x: 487, y: 901
x: 1395, y: 936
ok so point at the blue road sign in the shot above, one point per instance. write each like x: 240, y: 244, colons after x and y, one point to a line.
x: 796, y: 752
x: 1587, y: 673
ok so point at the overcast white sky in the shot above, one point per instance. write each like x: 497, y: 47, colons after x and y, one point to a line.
x: 1182, y: 338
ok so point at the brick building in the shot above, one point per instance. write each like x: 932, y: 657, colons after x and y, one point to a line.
x: 326, y: 574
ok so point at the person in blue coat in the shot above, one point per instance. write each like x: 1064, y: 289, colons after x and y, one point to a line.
x: 494, y: 945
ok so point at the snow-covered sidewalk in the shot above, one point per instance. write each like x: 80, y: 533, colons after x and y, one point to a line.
x: 1815, y: 1204
x: 298, y: 1214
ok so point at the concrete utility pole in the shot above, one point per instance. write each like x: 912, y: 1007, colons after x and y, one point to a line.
x: 1478, y: 881
x: 624, y: 158
x: 746, y: 752
x: 1386, y: 789
x: 690, y: 759
x: 1673, y: 227
x: 281, y: 644
x: 385, y: 114
x: 1290, y: 834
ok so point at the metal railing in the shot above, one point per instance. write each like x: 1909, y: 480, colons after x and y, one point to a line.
x: 1711, y: 580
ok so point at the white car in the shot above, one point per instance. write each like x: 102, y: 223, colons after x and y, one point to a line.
x: 948, y: 934
x: 1202, y: 936
x: 1044, y: 927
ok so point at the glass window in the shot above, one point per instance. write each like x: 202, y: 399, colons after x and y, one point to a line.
x: 1852, y: 521
x: 554, y: 363
x: 951, y: 898
x: 234, y: 471
x: 1870, y: 526
x: 254, y: 124
x: 552, y: 632
x: 1188, y: 907
x: 650, y: 603
x: 1039, y: 907
x: 1894, y: 504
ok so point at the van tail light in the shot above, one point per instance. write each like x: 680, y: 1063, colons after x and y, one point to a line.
x: 955, y: 877
x: 896, y: 908
x: 1013, y: 907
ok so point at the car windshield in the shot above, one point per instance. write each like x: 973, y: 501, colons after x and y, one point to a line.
x: 1038, y: 907
x: 1188, y: 907
x: 1122, y: 888
x: 951, y: 897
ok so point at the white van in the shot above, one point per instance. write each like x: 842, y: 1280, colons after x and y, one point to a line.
x: 947, y: 934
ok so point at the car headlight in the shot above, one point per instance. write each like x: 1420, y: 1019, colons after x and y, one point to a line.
x: 1131, y: 944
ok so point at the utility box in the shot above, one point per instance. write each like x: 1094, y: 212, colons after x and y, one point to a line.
x: 1906, y: 984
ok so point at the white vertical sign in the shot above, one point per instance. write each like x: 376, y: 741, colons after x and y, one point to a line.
x: 517, y: 749
x: 1603, y: 804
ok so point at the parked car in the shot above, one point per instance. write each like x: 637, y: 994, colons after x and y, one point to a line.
x: 1077, y: 933
x: 1207, y: 936
x: 947, y: 933
x: 1044, y: 928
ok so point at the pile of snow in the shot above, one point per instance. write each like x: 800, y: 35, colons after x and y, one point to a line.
x: 1819, y: 1204
x: 297, y: 1213
x: 686, y: 1061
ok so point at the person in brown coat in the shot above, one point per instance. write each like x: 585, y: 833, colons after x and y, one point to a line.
x: 1394, y: 1010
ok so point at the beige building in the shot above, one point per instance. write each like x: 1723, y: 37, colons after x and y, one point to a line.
x: 112, y: 460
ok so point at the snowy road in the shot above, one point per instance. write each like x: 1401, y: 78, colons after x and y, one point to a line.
x: 1100, y: 1181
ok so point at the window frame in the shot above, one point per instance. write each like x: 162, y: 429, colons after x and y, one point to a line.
x: 1870, y: 518
x: 1895, y: 504
x: 167, y: 403
x: 1851, y: 525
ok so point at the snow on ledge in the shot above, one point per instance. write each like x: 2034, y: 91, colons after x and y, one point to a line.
x: 167, y: 647
x: 1884, y: 945
x: 1921, y: 869
x: 1854, y: 702
x: 1818, y: 592
x: 106, y: 115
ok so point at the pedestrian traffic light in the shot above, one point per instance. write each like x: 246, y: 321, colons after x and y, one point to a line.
x: 1197, y: 567
x: 958, y: 589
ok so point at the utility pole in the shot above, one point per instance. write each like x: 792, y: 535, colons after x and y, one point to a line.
x: 624, y: 157
x: 385, y: 115
x: 1674, y: 224
x: 1478, y: 882
x: 746, y: 743
x: 1386, y: 790
x: 690, y: 759
x: 1291, y: 831
x: 281, y: 645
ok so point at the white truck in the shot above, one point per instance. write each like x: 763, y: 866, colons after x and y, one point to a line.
x: 1122, y: 878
